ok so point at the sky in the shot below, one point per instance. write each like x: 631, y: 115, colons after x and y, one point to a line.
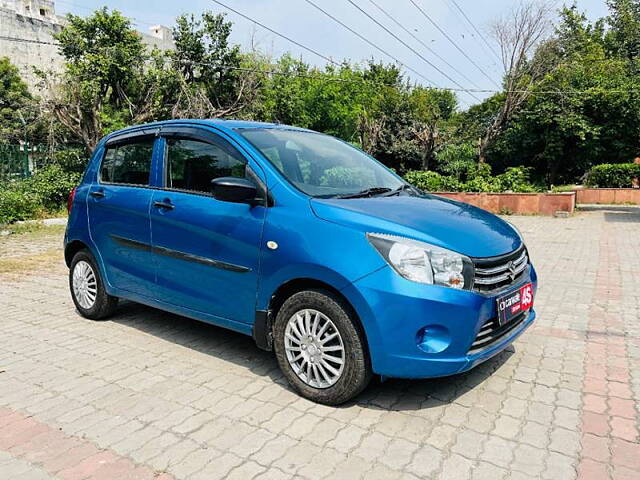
x: 468, y: 62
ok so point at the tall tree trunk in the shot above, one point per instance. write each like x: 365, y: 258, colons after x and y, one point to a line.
x: 482, y: 147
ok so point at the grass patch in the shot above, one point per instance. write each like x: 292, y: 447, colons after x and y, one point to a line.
x: 35, y: 229
x: 23, y: 265
x: 563, y: 188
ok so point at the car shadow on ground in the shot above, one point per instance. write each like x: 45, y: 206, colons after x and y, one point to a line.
x: 388, y: 394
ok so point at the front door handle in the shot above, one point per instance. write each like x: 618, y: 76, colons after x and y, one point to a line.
x: 97, y: 194
x: 166, y: 205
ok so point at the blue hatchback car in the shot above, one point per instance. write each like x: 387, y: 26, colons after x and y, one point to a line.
x: 302, y: 241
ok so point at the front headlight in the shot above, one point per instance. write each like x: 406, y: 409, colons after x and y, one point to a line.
x: 424, y: 263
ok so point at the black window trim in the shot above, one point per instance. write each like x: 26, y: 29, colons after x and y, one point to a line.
x: 211, y: 138
x: 128, y: 139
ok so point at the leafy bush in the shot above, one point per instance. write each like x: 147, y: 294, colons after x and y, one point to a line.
x: 72, y: 159
x: 457, y: 159
x: 432, y: 181
x: 479, y: 179
x: 46, y: 191
x: 613, y: 175
x: 51, y: 186
x: 516, y: 179
x: 17, y: 204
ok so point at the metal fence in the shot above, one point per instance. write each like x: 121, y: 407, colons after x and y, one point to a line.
x: 14, y: 162
x: 21, y: 161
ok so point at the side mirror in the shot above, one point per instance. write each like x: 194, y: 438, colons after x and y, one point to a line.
x: 233, y: 189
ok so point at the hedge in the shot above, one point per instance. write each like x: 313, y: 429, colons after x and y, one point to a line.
x: 514, y: 179
x: 45, y: 192
x: 613, y: 175
x: 18, y: 204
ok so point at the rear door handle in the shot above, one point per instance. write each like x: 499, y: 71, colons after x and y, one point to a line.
x: 167, y: 205
x: 97, y: 194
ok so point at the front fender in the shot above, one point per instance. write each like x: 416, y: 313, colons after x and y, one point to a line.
x: 289, y: 273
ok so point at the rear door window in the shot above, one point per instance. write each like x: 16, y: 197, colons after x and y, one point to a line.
x: 127, y: 164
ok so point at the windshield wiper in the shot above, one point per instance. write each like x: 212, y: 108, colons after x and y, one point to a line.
x: 365, y: 193
x: 400, y: 189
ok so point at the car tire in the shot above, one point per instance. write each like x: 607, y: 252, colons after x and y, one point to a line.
x: 87, y: 288
x: 323, y: 349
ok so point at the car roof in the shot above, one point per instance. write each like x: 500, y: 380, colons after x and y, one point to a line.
x: 221, y: 124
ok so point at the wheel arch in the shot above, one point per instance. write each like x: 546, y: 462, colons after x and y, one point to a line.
x: 263, y: 326
x: 72, y: 248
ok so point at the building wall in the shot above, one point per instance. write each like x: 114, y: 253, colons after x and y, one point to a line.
x: 39, y: 23
x: 28, y: 55
x: 159, y: 37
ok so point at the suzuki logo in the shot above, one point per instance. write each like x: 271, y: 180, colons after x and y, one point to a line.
x: 512, y: 270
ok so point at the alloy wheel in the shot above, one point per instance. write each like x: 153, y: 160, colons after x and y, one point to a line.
x: 314, y: 348
x: 85, y: 285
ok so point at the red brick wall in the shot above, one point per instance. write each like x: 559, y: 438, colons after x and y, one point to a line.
x: 519, y: 203
x: 609, y: 195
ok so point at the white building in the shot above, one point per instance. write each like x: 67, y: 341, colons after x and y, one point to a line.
x: 27, y: 29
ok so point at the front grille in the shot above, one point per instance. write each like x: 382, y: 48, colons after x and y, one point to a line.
x: 497, y: 273
x: 492, y: 331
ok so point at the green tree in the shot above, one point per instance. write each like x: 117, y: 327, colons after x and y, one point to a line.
x: 431, y: 110
x: 284, y: 94
x: 211, y: 80
x: 103, y: 84
x: 16, y: 103
x: 593, y: 118
x: 623, y: 36
x: 576, y: 37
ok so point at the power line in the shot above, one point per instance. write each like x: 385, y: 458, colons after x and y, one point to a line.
x: 452, y: 41
x: 320, y: 76
x: 427, y: 47
x: 473, y: 36
x: 243, y: 69
x: 276, y: 33
x: 408, y: 46
x: 346, y: 80
x: 366, y: 40
x: 466, y: 17
x: 270, y: 72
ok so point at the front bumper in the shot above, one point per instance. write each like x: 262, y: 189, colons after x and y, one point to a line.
x: 421, y: 331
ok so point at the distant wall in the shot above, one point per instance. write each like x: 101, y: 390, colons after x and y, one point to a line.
x: 609, y: 195
x: 27, y: 55
x: 518, y: 203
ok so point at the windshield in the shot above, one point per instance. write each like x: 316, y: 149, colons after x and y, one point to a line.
x: 320, y: 165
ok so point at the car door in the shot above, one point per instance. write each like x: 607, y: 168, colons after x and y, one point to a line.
x: 207, y: 251
x: 118, y: 209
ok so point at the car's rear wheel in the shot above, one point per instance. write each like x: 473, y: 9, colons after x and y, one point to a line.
x: 87, y: 288
x: 320, y: 348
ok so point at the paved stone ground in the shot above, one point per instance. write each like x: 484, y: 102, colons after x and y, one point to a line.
x: 152, y: 395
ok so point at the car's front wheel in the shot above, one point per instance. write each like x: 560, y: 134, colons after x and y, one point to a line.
x: 320, y: 348
x: 87, y: 288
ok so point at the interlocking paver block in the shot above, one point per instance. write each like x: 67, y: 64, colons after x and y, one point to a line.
x: 150, y: 394
x: 425, y: 462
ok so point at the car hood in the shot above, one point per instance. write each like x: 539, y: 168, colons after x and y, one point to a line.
x: 457, y: 226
